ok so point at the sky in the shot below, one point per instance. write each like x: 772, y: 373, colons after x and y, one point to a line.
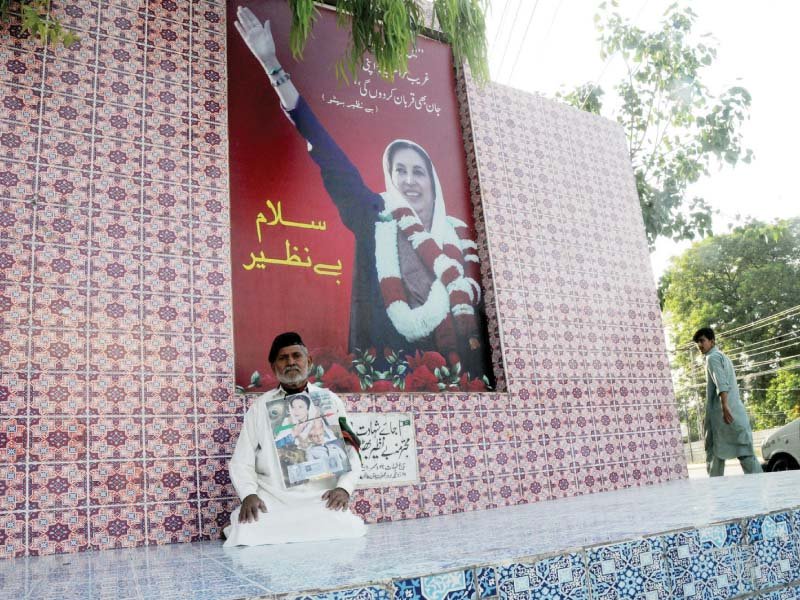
x: 544, y: 46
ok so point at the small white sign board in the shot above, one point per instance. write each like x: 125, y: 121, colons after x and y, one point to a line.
x: 388, y: 448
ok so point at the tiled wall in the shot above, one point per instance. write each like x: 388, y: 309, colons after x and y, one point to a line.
x: 116, y: 408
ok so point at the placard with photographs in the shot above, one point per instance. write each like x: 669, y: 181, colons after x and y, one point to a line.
x: 307, y: 438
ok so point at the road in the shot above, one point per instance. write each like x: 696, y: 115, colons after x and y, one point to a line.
x: 698, y: 470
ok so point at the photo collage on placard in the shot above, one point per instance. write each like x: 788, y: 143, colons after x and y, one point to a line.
x: 307, y: 437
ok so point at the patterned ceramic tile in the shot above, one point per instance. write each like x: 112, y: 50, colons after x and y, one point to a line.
x: 116, y: 527
x: 775, y: 559
x: 486, y: 581
x: 215, y: 516
x: 363, y: 593
x: 456, y: 585
x: 171, y: 523
x: 14, y: 391
x: 56, y: 486
x: 403, y: 502
x: 562, y: 577
x: 631, y: 569
x: 57, y: 532
x: 699, y: 571
x: 792, y: 593
x: 173, y: 480
x: 720, y: 536
x: 769, y: 528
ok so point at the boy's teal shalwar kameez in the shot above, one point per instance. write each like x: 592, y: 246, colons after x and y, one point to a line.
x: 724, y: 441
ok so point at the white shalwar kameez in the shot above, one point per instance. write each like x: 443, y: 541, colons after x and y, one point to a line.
x: 296, y: 514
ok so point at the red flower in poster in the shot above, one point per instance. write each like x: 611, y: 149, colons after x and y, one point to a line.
x: 337, y: 379
x: 430, y: 360
x: 422, y: 379
x: 327, y: 357
x: 382, y: 386
x: 474, y: 385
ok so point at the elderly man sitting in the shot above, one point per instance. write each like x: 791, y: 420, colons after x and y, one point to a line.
x: 295, y: 486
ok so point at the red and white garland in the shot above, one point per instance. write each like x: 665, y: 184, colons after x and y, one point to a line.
x: 450, y: 305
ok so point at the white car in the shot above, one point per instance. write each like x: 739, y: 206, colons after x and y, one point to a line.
x: 781, y: 450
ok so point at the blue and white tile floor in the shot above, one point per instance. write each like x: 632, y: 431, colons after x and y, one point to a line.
x: 703, y: 539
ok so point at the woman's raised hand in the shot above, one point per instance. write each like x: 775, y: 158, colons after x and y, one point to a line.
x: 258, y: 37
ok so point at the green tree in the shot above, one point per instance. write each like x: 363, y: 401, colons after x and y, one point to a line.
x: 387, y: 29
x: 35, y: 18
x: 677, y: 128
x: 783, y: 396
x: 727, y: 282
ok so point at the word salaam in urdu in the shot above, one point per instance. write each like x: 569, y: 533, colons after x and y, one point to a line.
x: 292, y: 258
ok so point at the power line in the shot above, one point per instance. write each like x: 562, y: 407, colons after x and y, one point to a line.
x: 522, y: 43
x: 761, y: 322
x: 739, y: 364
x: 608, y: 62
x: 767, y: 350
x: 748, y: 376
x: 767, y: 362
x: 508, y: 41
x: 757, y: 324
x: 500, y: 26
x: 762, y: 344
x: 754, y: 375
x: 743, y: 372
x: 552, y: 22
x: 727, y: 341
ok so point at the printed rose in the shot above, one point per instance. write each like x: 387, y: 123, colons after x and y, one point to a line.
x: 337, y: 379
x: 382, y: 386
x: 431, y: 360
x: 474, y: 385
x: 327, y: 357
x: 422, y: 380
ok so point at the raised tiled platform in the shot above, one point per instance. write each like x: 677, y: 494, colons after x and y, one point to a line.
x: 724, y: 538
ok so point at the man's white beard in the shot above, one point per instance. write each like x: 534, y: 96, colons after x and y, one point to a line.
x: 293, y: 378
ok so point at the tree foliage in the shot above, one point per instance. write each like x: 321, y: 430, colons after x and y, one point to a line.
x: 388, y: 29
x: 783, y: 395
x: 586, y: 97
x: 728, y: 282
x: 35, y: 18
x: 677, y: 128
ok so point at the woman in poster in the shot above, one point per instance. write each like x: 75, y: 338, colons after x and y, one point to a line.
x: 310, y: 428
x: 416, y: 273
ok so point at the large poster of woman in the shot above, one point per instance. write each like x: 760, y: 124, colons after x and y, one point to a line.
x: 350, y: 215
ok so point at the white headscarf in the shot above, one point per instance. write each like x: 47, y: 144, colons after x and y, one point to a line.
x: 420, y: 322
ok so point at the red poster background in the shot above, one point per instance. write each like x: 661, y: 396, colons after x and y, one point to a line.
x: 269, y: 161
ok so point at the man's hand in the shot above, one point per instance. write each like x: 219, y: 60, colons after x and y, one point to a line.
x: 336, y: 499
x: 726, y: 414
x: 248, y: 513
x: 258, y: 37
x: 474, y: 343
